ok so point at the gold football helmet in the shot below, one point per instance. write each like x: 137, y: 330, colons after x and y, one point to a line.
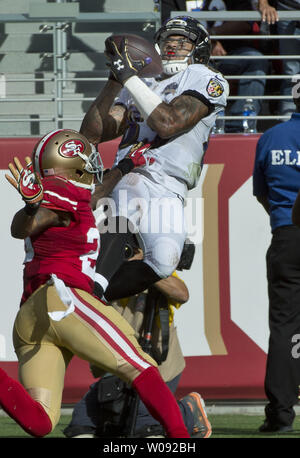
x: 67, y: 153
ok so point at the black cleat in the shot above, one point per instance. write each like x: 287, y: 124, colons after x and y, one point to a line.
x: 268, y: 427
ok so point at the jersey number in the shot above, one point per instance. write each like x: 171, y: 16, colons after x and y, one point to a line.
x: 89, y: 260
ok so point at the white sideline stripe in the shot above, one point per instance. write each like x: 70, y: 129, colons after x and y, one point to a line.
x: 110, y: 331
x: 72, y: 202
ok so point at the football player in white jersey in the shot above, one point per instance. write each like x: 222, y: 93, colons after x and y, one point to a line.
x: 170, y: 119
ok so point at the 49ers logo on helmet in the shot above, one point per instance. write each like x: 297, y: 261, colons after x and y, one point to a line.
x: 71, y: 148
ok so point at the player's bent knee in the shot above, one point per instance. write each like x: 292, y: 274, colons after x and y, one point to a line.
x: 164, y: 256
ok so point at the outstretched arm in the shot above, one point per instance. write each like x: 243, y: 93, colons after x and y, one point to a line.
x: 31, y: 219
x: 103, y: 121
x: 25, y: 225
x: 167, y: 119
x: 177, y: 117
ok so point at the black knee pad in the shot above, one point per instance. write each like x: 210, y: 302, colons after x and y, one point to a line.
x: 114, y: 237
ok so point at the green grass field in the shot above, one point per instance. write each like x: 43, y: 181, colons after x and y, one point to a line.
x: 224, y: 426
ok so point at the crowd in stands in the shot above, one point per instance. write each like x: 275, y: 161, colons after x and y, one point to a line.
x: 269, y: 24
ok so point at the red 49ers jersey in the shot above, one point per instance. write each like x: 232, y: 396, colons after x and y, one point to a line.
x: 69, y: 252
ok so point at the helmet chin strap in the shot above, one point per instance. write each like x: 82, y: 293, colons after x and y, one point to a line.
x: 171, y: 67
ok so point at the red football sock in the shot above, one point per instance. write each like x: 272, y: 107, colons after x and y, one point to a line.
x: 160, y: 402
x: 27, y: 412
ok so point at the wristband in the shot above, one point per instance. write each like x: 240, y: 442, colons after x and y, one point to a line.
x: 125, y: 165
x: 145, y: 99
x: 31, y: 209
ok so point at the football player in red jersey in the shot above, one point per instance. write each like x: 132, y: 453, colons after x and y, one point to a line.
x: 59, y: 315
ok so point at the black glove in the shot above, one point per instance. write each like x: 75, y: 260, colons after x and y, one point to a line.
x: 121, y: 65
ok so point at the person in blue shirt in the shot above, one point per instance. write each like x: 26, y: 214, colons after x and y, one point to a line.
x: 276, y: 182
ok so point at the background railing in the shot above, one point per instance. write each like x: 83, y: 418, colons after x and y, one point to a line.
x: 59, y: 26
x: 256, y: 17
x: 58, y: 19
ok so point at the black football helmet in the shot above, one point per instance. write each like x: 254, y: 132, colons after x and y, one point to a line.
x: 192, y: 29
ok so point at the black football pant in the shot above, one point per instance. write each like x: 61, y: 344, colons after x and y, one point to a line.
x: 283, y: 363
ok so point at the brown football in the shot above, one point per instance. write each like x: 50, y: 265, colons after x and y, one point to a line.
x: 140, y: 48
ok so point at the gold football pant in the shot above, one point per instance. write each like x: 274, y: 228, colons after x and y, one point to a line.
x: 93, y: 331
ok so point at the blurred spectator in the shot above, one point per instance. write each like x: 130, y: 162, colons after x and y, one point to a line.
x: 259, y: 67
x: 268, y: 12
x: 286, y: 46
x: 171, y: 5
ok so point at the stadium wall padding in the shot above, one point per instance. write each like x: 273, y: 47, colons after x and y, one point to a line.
x: 223, y: 328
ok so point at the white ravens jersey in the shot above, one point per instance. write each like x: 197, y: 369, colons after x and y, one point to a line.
x: 178, y: 160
